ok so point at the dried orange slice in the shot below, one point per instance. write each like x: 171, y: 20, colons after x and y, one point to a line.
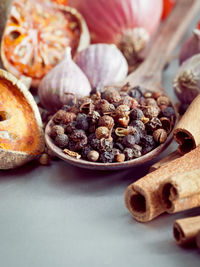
x: 36, y: 36
x: 21, y: 134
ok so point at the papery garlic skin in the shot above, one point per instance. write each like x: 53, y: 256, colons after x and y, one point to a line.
x: 115, y: 21
x: 103, y: 64
x: 187, y: 81
x: 63, y: 83
x: 191, y: 47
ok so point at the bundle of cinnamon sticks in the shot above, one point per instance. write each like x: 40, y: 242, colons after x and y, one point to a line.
x: 173, y: 184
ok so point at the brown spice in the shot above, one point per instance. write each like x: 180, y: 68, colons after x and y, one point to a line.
x: 142, y: 197
x: 72, y: 153
x: 160, y: 136
x: 120, y: 157
x: 44, y: 159
x: 185, y: 230
x: 102, y: 132
x: 106, y: 121
x: 163, y: 100
x: 93, y: 155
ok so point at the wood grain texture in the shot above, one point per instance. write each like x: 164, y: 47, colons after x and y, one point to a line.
x: 149, y: 74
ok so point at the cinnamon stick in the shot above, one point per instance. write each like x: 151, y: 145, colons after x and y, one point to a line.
x: 198, y: 239
x: 185, y: 230
x: 165, y: 160
x: 181, y: 192
x: 142, y: 197
x: 187, y: 131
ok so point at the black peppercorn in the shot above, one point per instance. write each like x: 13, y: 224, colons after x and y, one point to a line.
x: 82, y: 122
x: 137, y: 135
x: 105, y: 145
x: 147, y: 143
x: 137, y: 151
x: 111, y: 95
x: 168, y: 112
x: 107, y: 157
x: 136, y: 114
x: 153, y: 124
x: 62, y: 140
x: 128, y: 152
x: 129, y: 141
x: 70, y: 127
x: 85, y: 151
x: 78, y: 135
x: 56, y: 130
x: 95, y: 143
x: 135, y: 92
x: 119, y: 146
x: 138, y: 124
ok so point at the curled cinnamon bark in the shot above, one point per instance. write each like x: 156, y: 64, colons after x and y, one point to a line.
x: 181, y: 192
x: 185, y: 230
x: 198, y: 239
x: 142, y: 197
x: 187, y: 133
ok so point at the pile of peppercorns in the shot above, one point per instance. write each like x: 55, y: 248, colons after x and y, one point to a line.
x: 115, y: 125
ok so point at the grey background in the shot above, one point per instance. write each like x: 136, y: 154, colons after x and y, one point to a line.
x: 60, y: 216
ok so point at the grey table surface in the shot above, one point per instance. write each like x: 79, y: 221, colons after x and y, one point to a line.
x: 60, y: 216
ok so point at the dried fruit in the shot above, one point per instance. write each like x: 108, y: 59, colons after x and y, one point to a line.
x: 36, y: 35
x: 21, y: 134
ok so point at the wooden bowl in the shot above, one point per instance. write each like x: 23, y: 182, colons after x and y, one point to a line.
x: 102, y: 166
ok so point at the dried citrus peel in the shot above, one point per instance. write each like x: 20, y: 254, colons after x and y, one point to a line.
x: 36, y: 36
x: 18, y: 126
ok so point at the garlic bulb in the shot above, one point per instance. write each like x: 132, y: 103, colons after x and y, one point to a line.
x: 103, y: 64
x: 191, y: 47
x: 63, y: 82
x: 187, y: 81
x: 129, y: 24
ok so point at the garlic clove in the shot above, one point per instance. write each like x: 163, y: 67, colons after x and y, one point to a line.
x: 187, y: 81
x: 103, y: 64
x: 62, y: 83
